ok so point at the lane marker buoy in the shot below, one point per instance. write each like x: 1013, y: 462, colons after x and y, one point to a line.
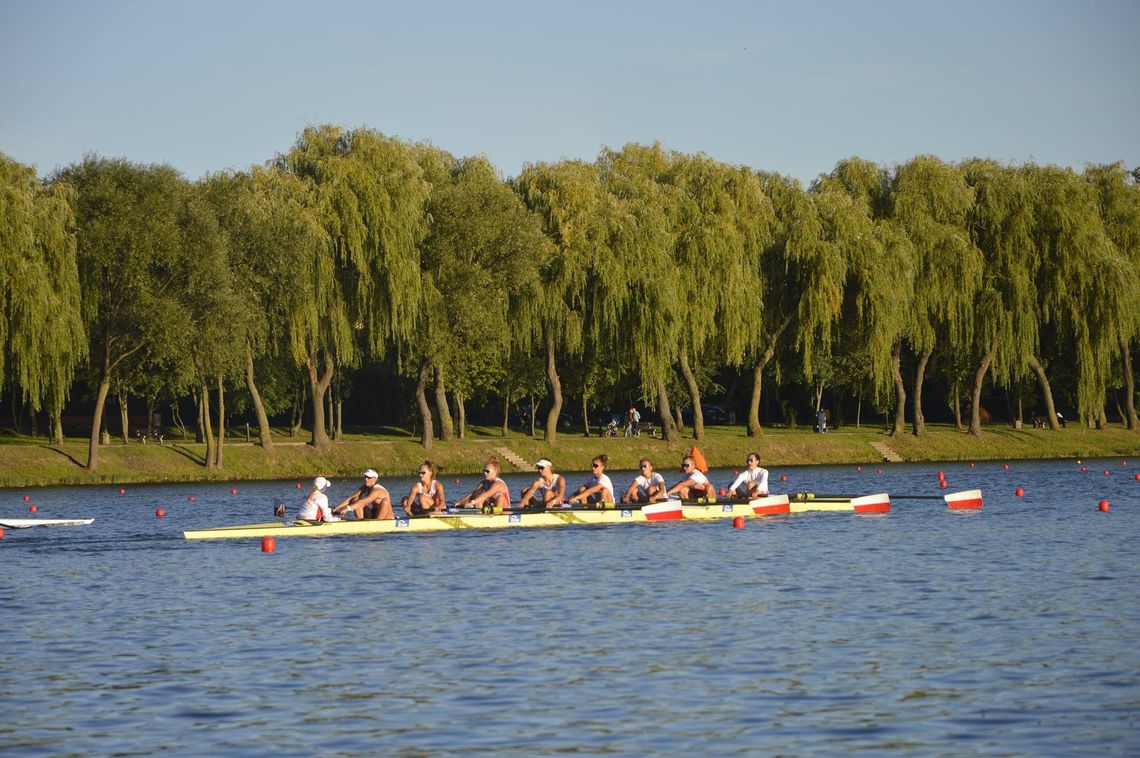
x: 783, y: 477
x: 268, y: 545
x: 738, y: 522
x: 233, y: 491
x: 1019, y: 492
x: 1102, y: 506
x: 33, y: 508
x: 27, y: 498
x: 160, y: 513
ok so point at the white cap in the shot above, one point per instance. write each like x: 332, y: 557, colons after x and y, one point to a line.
x: 371, y: 474
x: 321, y: 483
x: 542, y: 463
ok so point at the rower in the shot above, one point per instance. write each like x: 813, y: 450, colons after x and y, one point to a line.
x: 548, y: 490
x: 426, y: 495
x: 491, y: 491
x: 752, y: 482
x: 598, y: 489
x: 371, y: 501
x: 694, y: 485
x: 647, y: 486
x: 316, y: 505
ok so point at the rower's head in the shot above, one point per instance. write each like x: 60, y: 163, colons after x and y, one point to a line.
x: 491, y: 468
x: 598, y: 463
x: 688, y: 464
x: 370, y: 476
x: 542, y: 465
x: 427, y: 470
x: 646, y: 466
x: 753, y: 460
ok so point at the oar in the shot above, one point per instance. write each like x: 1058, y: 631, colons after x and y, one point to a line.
x: 963, y: 500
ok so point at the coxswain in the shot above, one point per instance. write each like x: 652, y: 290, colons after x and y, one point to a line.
x: 316, y: 505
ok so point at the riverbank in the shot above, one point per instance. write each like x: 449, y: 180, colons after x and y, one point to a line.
x: 30, y: 464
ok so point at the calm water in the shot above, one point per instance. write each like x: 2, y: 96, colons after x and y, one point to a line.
x: 1008, y: 631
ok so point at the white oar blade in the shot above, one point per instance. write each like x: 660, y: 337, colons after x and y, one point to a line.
x: 965, y: 500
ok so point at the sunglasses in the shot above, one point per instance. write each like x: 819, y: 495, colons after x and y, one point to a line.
x: 595, y: 465
x: 753, y: 460
x: 424, y: 473
x: 645, y: 465
x: 486, y: 471
x: 686, y: 465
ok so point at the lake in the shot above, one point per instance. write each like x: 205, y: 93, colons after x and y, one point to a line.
x: 1010, y: 630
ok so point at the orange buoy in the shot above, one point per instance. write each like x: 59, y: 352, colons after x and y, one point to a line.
x: 1, y: 533
x: 160, y: 513
x: 33, y: 508
x: 1102, y: 506
x: 268, y: 545
x: 738, y: 522
x: 1137, y: 477
x: 1019, y: 492
x: 699, y: 459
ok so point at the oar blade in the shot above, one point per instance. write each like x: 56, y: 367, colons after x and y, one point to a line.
x: 967, y: 500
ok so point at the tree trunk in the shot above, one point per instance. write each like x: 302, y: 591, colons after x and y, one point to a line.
x: 124, y: 420
x: 263, y: 432
x: 858, y: 410
x: 330, y: 417
x: 97, y: 417
x: 461, y: 412
x: 919, y: 378
x: 754, y: 429
x: 207, y: 425
x: 1046, y: 392
x: 586, y: 413
x: 427, y: 435
x: 980, y: 377
x: 555, y: 391
x: 668, y: 427
x: 694, y: 394
x: 900, y: 390
x: 56, y: 426
x: 1101, y: 420
x: 318, y: 387
x: 958, y: 406
x: 533, y: 413
x: 446, y: 430
x: 221, y: 422
x: 1131, y: 420
x: 679, y: 421
x: 506, y: 412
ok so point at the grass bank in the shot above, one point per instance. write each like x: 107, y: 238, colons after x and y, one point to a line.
x: 25, y: 463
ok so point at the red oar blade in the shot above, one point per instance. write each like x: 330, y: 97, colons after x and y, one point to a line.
x: 964, y: 501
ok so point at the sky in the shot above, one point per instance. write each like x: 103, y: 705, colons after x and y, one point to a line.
x: 206, y: 86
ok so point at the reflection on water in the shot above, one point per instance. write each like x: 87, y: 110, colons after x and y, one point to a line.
x: 1008, y: 630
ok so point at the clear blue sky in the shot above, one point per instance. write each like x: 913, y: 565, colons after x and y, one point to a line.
x: 207, y: 85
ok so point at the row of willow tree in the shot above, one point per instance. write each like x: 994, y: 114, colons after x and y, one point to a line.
x: 646, y: 265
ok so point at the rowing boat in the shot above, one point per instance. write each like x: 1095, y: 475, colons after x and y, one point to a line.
x: 671, y: 510
x: 24, y: 523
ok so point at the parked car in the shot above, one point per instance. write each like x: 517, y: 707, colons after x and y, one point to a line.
x: 713, y: 414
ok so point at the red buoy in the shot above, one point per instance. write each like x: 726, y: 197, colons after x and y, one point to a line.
x: 858, y: 468
x: 1137, y: 477
x: 298, y: 485
x: 722, y: 492
x: 268, y: 545
x: 1106, y: 472
x: 878, y: 471
x: 27, y: 498
x: 941, y: 476
x: 972, y: 465
x: 233, y: 491
x: 457, y: 480
x: 191, y: 498
x: 943, y: 484
x: 1102, y: 506
x: 1083, y: 468
x: 738, y: 522
x: 783, y: 477
x: 1005, y: 466
x: 1019, y: 492
x: 33, y: 508
x: 122, y: 491
x: 1, y: 533
x: 160, y: 513
x: 736, y: 472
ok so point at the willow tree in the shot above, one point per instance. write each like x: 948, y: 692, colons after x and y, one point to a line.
x: 646, y: 301
x: 481, y: 260
x: 1005, y: 312
x: 722, y: 222
x: 1118, y: 200
x: 358, y: 296
x: 931, y: 201
x: 42, y: 337
x: 128, y: 246
x: 583, y: 283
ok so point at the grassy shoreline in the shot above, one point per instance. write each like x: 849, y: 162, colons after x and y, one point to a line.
x: 39, y: 465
